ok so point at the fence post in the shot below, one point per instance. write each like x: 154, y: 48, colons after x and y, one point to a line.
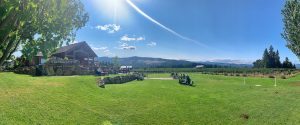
x: 275, y: 82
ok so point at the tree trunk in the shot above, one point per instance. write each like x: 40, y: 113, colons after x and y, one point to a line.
x: 14, y: 50
x: 2, y: 41
x: 6, y: 52
x: 9, y: 46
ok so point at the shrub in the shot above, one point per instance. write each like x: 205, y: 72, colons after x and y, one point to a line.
x: 270, y: 76
x: 40, y: 71
x: 26, y: 70
x: 121, y: 79
x: 283, y: 77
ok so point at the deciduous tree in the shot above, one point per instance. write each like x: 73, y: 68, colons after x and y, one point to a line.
x: 291, y: 33
x: 38, y: 25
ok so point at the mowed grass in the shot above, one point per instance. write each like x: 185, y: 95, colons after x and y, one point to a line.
x: 214, y: 100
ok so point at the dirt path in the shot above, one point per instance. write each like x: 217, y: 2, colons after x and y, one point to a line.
x: 160, y: 78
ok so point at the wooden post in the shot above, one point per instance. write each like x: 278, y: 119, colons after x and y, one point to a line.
x: 275, y: 82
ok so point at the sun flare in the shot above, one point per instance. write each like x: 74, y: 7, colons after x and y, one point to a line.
x: 115, y: 9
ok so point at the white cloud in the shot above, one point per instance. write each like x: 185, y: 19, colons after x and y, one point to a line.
x: 140, y: 38
x: 128, y: 39
x: 129, y: 48
x: 106, y: 51
x: 110, y: 28
x: 100, y: 48
x: 152, y: 44
x: 125, y: 46
x: 103, y: 50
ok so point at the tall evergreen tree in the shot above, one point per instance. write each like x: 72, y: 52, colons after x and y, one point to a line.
x: 271, y: 57
x: 265, y: 60
x: 277, y: 60
x: 287, y: 64
x: 258, y: 64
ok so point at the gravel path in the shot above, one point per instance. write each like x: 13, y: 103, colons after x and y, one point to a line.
x: 160, y: 78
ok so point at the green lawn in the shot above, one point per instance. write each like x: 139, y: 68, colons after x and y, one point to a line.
x: 214, y: 100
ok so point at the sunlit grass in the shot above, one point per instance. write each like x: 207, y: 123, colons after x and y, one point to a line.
x: 214, y: 100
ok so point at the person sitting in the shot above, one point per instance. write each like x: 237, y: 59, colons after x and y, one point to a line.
x: 188, y: 80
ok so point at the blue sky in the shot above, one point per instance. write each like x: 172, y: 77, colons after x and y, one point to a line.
x: 197, y: 30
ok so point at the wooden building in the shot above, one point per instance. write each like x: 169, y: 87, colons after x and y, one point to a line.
x: 36, y: 60
x: 79, y: 51
x: 125, y: 69
x: 74, y: 59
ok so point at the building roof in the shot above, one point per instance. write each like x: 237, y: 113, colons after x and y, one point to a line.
x: 199, y: 66
x: 71, y: 47
x: 126, y: 67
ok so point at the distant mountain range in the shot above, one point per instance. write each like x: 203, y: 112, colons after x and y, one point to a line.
x: 298, y: 66
x: 148, y: 62
x: 224, y: 64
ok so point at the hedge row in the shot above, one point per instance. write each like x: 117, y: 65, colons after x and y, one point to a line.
x: 30, y: 70
x: 121, y: 79
x: 219, y: 70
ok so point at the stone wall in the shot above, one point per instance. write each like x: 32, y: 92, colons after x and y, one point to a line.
x: 121, y: 79
x: 57, y: 67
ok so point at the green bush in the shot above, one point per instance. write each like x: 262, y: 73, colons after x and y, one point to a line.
x: 26, y: 70
x: 122, y: 79
x: 283, y: 77
x: 271, y: 76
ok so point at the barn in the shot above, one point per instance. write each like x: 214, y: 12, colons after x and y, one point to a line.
x: 74, y: 59
x: 79, y: 51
